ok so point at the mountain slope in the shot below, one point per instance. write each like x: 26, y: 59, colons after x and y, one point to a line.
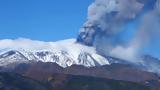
x: 70, y: 82
x: 41, y: 71
x: 11, y: 81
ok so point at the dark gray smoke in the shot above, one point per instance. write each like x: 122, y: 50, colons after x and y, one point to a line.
x: 107, y: 18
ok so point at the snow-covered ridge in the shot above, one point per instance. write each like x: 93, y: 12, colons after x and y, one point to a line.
x: 65, y: 52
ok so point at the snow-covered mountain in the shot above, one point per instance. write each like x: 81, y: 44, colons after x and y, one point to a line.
x: 64, y: 53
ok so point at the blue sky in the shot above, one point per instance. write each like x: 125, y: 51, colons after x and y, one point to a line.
x: 47, y: 20
x: 50, y: 20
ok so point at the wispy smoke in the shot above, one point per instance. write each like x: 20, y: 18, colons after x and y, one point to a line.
x: 107, y: 18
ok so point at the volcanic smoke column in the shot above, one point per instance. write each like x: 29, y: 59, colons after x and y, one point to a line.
x: 107, y: 17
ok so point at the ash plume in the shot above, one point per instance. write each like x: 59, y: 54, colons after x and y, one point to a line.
x: 106, y: 22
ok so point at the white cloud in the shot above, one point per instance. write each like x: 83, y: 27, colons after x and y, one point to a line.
x: 23, y: 43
